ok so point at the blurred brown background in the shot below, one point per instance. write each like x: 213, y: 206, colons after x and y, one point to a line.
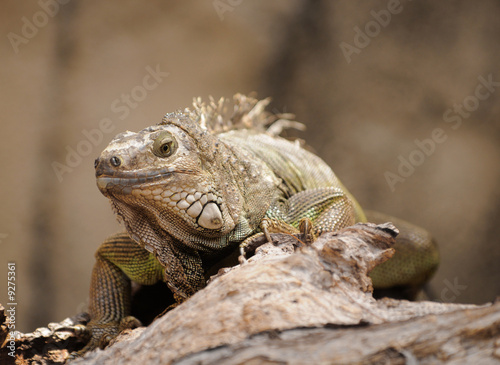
x: 367, y: 77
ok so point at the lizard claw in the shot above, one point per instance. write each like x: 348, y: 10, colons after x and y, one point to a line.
x: 242, y: 257
x: 248, y: 246
x: 101, y: 334
x: 269, y: 226
x: 265, y: 225
x: 307, y: 231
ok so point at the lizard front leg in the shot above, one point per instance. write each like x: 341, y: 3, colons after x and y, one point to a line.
x: 118, y: 261
x: 328, y: 208
x: 184, y: 273
x: 309, y: 213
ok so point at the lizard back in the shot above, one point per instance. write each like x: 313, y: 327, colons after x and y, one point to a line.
x: 297, y: 168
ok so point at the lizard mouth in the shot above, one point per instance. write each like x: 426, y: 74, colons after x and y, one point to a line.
x: 122, y: 179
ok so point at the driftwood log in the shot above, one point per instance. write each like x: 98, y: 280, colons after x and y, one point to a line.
x: 291, y: 304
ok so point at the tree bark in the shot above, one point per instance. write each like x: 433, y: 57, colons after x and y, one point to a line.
x: 293, y: 303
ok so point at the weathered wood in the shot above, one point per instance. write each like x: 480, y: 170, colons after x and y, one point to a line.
x: 292, y: 303
x: 469, y: 336
x: 45, y: 345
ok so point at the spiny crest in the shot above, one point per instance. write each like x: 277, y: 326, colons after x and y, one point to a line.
x: 245, y: 112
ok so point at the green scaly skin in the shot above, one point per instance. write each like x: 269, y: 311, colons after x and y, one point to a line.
x: 201, y: 182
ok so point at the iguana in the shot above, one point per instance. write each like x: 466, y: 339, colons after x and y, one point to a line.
x: 203, y: 181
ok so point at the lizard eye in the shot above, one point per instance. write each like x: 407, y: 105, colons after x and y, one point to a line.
x: 164, y: 145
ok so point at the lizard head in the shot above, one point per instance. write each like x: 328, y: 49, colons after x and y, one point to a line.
x: 161, y: 179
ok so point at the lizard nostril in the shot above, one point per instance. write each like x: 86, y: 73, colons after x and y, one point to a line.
x: 115, y: 161
x: 96, y: 163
